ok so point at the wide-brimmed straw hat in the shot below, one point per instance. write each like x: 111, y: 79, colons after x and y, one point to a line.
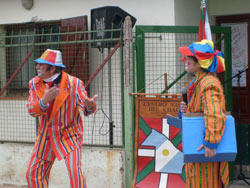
x: 51, y: 57
x: 208, y: 59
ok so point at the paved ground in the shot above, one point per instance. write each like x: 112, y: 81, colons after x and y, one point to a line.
x: 233, y: 184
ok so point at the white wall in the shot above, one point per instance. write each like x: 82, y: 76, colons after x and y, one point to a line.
x: 160, y: 12
x: 187, y: 13
x: 228, y: 7
x: 101, y: 167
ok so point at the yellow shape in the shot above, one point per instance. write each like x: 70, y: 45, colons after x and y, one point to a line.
x: 165, y: 152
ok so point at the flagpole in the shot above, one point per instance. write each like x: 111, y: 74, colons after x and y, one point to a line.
x: 203, y: 8
x: 204, y: 28
x: 203, y: 4
x: 201, y: 28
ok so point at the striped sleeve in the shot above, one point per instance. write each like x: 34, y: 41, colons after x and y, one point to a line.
x: 213, y: 108
x: 81, y: 96
x: 33, y: 102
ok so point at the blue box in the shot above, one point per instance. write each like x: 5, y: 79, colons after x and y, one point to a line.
x: 192, y: 136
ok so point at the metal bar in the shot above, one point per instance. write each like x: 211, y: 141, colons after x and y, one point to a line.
x: 169, y: 29
x: 228, y: 73
x: 157, y: 94
x: 110, y: 101
x: 219, y: 40
x: 122, y: 81
x: 166, y: 82
x: 176, y: 80
x: 59, y: 33
x: 140, y: 59
x: 16, y: 72
x: 56, y: 43
x: 134, y: 66
x: 102, y: 65
x: 178, y: 29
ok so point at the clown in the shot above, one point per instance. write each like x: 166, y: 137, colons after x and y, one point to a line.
x: 205, y: 95
x: 56, y: 98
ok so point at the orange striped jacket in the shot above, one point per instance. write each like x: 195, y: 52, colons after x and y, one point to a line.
x: 62, y: 131
x: 208, y: 97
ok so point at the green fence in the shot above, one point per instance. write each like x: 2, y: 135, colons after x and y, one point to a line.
x: 157, y: 55
x: 83, y: 55
x: 158, y: 61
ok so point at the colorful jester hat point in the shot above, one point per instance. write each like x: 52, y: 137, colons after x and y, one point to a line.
x: 208, y: 59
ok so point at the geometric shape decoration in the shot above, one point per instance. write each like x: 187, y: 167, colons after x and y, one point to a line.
x: 168, y: 159
x: 158, y: 147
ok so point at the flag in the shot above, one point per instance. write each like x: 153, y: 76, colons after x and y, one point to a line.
x: 159, y: 158
x: 204, y: 27
x: 168, y: 159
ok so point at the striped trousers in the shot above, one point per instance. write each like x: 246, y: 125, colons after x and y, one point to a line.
x: 39, y: 171
x: 207, y: 175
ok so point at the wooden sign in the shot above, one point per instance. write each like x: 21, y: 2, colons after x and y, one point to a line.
x: 158, y: 148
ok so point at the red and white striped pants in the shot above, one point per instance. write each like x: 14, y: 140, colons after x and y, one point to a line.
x: 38, y: 171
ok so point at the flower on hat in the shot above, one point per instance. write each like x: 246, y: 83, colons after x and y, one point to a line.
x: 208, y: 59
x: 51, y: 57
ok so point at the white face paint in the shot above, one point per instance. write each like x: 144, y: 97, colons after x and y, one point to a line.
x: 42, y: 71
x: 39, y: 73
x: 186, y: 66
x: 191, y: 66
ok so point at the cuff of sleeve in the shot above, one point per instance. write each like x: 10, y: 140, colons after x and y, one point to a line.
x: 38, y: 109
x: 87, y: 110
x: 179, y: 113
x: 43, y: 106
x: 209, y: 145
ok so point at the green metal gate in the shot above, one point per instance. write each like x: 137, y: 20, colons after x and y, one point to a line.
x: 157, y: 55
x: 158, y: 67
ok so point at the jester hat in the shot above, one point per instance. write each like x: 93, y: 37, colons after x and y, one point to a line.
x: 51, y: 57
x: 208, y: 59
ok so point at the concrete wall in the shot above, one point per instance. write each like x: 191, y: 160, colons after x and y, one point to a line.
x: 101, y: 167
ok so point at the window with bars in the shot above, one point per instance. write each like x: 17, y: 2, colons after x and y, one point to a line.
x: 20, y: 38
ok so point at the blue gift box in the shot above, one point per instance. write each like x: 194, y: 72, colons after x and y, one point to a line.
x: 192, y: 136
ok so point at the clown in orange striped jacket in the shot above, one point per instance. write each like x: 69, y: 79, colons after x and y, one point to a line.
x: 56, y: 99
x: 61, y: 132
